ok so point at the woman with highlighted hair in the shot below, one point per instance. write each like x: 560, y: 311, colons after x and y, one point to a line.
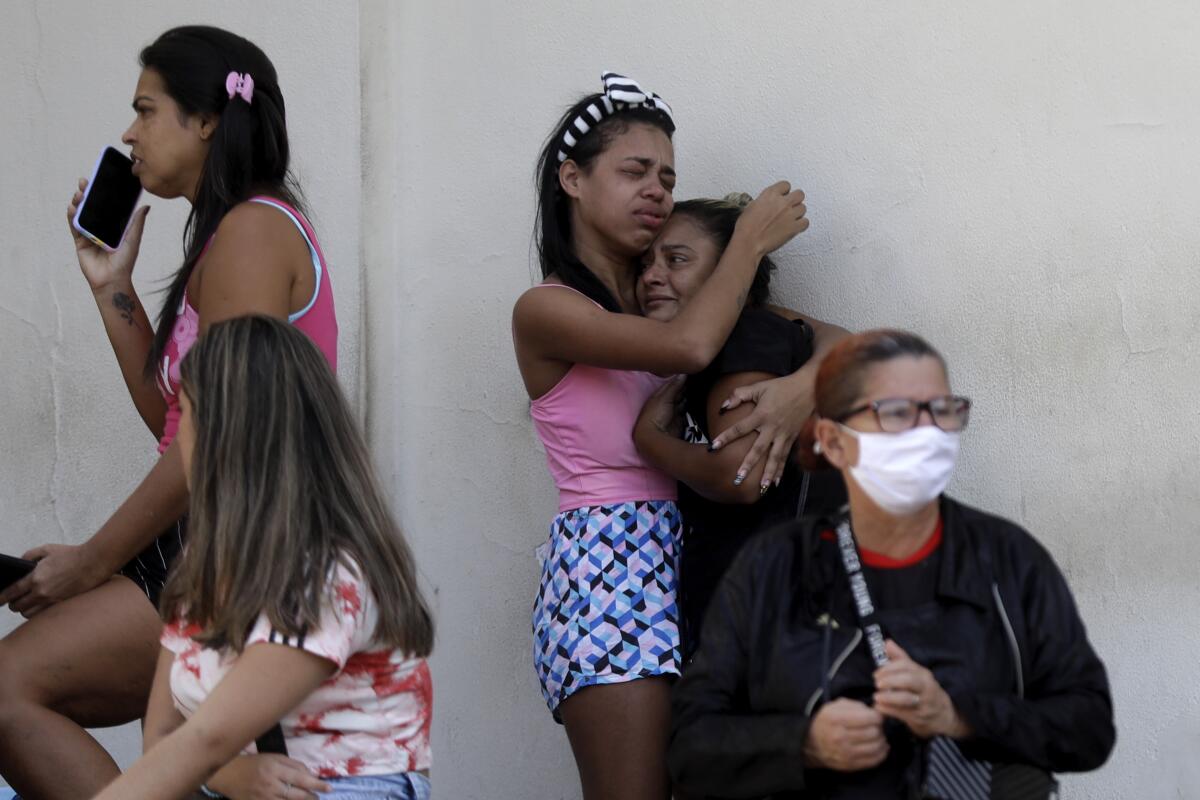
x: 295, y: 609
x: 209, y: 127
x: 908, y: 646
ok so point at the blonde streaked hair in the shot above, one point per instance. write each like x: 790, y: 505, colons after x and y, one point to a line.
x: 282, y: 491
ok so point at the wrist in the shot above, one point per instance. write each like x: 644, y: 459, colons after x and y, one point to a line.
x: 959, y: 729
x: 956, y: 727
x: 750, y: 248
x: 100, y: 560
x: 104, y: 292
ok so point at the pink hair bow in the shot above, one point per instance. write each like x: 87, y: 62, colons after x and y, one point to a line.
x: 239, y: 84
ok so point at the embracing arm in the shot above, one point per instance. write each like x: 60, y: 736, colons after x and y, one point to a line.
x: 781, y: 406
x: 266, y: 682
x: 706, y: 472
x: 555, y: 328
x: 1065, y: 721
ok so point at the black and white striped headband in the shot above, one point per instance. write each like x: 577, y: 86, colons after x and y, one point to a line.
x: 620, y: 94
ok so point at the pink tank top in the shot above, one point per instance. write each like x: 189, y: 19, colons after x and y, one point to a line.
x: 586, y: 426
x: 317, y: 319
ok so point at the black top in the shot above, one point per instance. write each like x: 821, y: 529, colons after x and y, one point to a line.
x: 1001, y: 635
x: 761, y: 341
x: 904, y: 588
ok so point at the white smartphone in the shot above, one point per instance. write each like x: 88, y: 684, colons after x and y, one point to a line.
x: 109, y: 200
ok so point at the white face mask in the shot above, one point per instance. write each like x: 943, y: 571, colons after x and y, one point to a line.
x: 903, y: 472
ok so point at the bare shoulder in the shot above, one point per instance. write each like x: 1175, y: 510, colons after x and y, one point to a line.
x: 548, y: 302
x: 254, y: 239
x: 255, y: 224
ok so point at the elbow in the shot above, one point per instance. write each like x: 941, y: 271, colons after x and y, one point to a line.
x: 692, y: 355
x: 724, y: 491
x: 696, y: 359
x: 747, y: 494
x: 1096, y: 745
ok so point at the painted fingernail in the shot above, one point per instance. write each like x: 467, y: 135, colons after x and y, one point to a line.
x: 763, y: 489
x: 777, y: 480
x: 725, y: 406
x: 716, y: 445
x: 741, y: 476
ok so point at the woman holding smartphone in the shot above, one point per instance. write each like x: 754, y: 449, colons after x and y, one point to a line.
x: 209, y: 127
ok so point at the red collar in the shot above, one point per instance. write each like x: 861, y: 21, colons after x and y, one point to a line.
x: 880, y: 561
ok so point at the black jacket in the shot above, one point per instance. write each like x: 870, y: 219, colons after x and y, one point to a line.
x: 742, y: 709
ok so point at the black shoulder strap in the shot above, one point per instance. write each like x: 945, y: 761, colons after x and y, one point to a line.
x: 868, y: 616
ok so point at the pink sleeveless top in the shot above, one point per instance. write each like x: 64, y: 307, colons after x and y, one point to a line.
x: 586, y: 426
x: 317, y: 319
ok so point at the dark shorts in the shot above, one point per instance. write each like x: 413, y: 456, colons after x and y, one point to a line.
x: 149, y: 568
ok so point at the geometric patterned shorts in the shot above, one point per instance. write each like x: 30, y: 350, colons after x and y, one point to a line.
x: 606, y: 610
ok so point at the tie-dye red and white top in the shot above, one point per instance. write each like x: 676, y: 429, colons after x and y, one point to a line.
x: 371, y: 717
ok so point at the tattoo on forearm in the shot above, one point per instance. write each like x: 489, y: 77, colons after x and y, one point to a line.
x: 124, y: 303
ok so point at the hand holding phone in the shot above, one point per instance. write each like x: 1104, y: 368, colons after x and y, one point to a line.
x: 99, y: 215
x: 13, y: 569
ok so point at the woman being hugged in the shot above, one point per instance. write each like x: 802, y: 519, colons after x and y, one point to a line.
x: 768, y: 341
x: 296, y: 601
x: 209, y: 127
x: 606, y: 637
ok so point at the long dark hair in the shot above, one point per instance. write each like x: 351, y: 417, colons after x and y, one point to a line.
x: 249, y: 148
x: 718, y: 218
x: 553, y: 224
x: 283, y: 491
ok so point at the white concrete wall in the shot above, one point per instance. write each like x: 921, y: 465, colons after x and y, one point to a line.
x: 71, y: 443
x: 1018, y: 181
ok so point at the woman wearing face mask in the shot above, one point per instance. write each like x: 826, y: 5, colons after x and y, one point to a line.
x: 719, y: 514
x: 910, y: 647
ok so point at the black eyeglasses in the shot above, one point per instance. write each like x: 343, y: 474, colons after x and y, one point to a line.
x: 896, y: 414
